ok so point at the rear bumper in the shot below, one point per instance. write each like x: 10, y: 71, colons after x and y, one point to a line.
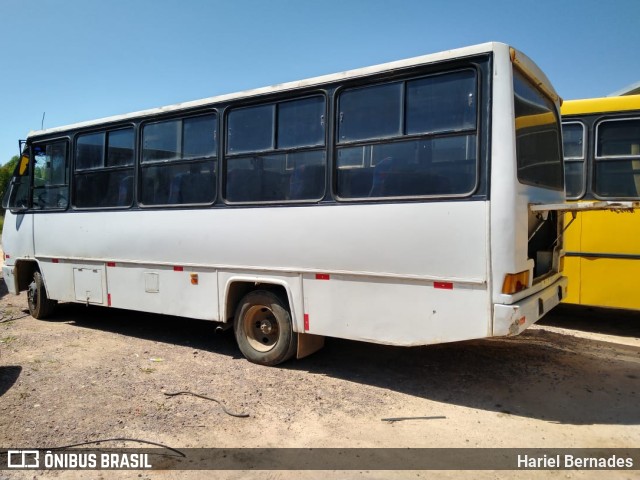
x: 513, y: 319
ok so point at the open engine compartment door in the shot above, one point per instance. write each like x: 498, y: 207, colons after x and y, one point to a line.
x: 542, y: 210
x: 616, y: 206
x: 547, y: 227
x: 600, y: 259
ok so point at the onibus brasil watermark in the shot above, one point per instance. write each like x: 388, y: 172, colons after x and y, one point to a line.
x: 70, y: 460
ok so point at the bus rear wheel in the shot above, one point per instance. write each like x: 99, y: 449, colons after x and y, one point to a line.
x: 263, y: 328
x: 39, y: 304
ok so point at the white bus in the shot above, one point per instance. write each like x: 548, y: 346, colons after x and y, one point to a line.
x: 388, y: 204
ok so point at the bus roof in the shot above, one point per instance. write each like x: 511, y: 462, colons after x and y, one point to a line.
x: 601, y: 105
x: 291, y: 86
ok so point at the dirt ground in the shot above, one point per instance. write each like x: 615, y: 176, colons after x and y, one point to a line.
x: 93, y: 373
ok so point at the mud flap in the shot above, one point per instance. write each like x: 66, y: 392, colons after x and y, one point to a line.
x: 308, y: 344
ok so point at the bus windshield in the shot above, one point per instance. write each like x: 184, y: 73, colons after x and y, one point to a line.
x: 537, y: 136
x: 16, y: 195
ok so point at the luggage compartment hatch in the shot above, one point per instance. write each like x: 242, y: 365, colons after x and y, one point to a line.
x: 88, y: 285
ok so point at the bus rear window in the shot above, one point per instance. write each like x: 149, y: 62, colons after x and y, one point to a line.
x: 537, y: 136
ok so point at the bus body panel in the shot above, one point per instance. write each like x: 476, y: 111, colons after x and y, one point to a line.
x: 83, y: 282
x: 18, y: 242
x: 505, y: 239
x: 454, y: 304
x: 395, y: 311
x: 597, y: 238
x: 608, y: 282
x: 17, y: 246
x: 510, y: 199
x: 188, y: 292
x: 603, y: 260
x: 610, y: 262
x: 10, y: 279
x: 273, y: 246
x: 395, y: 239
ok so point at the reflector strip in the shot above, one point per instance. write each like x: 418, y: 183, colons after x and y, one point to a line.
x: 306, y: 322
x: 6, y: 255
x: 443, y: 285
x: 323, y: 276
x: 111, y: 264
x: 55, y: 260
x: 178, y: 269
x: 109, y: 299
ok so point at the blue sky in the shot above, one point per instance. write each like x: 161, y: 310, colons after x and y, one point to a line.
x: 78, y: 60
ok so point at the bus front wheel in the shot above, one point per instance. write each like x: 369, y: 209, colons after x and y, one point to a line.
x: 263, y: 328
x: 39, y: 304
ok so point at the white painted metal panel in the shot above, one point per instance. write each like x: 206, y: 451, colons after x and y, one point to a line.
x: 170, y: 292
x: 58, y: 278
x: 8, y: 275
x: 431, y: 240
x: 393, y: 311
x: 404, y: 247
x: 17, y: 236
x: 510, y: 199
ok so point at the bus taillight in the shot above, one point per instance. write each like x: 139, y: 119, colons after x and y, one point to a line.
x: 515, y: 282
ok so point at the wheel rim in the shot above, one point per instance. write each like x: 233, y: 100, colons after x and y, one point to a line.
x: 261, y: 328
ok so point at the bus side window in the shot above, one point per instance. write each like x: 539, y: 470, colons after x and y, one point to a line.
x: 573, y: 141
x: 276, y: 152
x: 50, y: 176
x: 179, y: 161
x: 617, y: 160
x: 104, y: 169
x: 408, y: 139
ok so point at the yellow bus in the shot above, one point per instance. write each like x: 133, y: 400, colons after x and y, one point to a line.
x: 602, y: 162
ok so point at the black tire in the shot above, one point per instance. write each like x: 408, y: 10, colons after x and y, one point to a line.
x: 263, y: 328
x: 39, y: 304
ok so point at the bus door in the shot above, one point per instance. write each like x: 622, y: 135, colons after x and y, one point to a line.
x: 17, y: 234
x: 40, y: 185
